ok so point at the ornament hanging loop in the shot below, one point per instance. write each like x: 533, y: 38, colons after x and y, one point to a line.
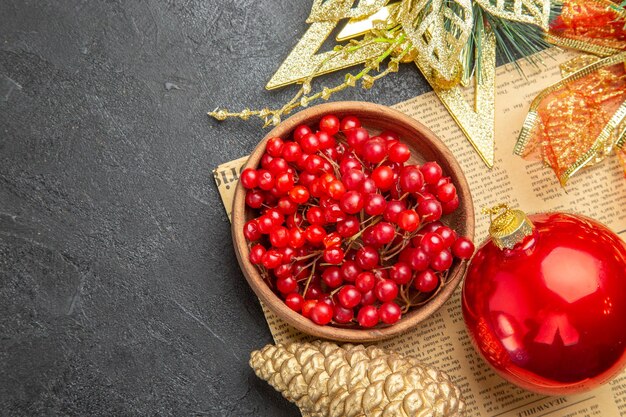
x: 492, y: 211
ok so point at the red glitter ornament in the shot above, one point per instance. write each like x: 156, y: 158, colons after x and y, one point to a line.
x: 544, y: 301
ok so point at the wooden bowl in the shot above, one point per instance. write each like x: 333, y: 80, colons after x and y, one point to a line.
x: 425, y: 146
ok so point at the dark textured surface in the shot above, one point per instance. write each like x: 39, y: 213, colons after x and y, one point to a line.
x: 119, y: 290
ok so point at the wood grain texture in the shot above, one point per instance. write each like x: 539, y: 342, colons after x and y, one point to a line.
x: 425, y: 146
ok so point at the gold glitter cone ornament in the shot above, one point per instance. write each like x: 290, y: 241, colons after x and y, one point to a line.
x: 327, y: 380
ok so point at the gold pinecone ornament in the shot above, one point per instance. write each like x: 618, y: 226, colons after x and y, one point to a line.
x: 327, y: 380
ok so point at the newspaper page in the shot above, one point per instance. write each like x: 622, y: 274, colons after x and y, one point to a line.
x: 598, y: 192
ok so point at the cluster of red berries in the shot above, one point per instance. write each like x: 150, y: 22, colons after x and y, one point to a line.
x: 348, y: 231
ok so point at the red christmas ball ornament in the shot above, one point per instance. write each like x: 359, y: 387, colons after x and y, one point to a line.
x: 544, y: 301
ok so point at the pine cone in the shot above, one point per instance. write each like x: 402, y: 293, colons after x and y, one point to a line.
x: 326, y: 380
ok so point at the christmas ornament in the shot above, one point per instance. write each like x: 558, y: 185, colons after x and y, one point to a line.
x: 578, y: 121
x: 593, y: 26
x: 450, y: 42
x: 544, y: 301
x: 324, y: 379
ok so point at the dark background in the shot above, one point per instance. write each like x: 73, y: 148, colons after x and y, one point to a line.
x: 119, y: 289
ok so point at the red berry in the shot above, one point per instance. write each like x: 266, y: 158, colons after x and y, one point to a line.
x: 249, y: 178
x: 384, y: 233
x: 348, y: 227
x: 266, y: 224
x: 451, y: 205
x: 284, y: 182
x: 408, y: 220
x: 401, y: 273
x: 271, y: 259
x: 279, y: 237
x: 256, y: 254
x: 348, y: 123
x: 368, y: 237
x: 251, y: 230
x: 367, y: 257
x: 351, y: 202
x: 265, y: 179
x: 294, y: 220
x: 368, y: 186
x: 349, y: 162
x: 299, y: 194
x: 429, y: 210
x: 386, y: 290
x: 368, y: 298
x: 342, y: 315
x: 411, y: 179
x: 274, y: 146
x: 301, y: 131
x: 306, y: 178
x: 367, y: 316
x: 310, y: 143
x: 286, y: 206
x: 389, y: 313
x: 314, y: 292
x: 430, y: 227
x: 441, y: 261
x: 348, y: 296
x: 463, y: 248
x: 353, y: 178
x: 254, y: 198
x: 446, y: 192
x: 449, y: 237
x: 307, y: 306
x: 326, y: 140
x: 315, y: 233
x: 374, y: 150
x: 350, y: 270
x: 336, y: 189
x: 294, y: 301
x: 291, y: 152
x: 383, y: 177
x: 333, y: 255
x: 330, y: 124
x: 426, y: 281
x: 419, y: 259
x: 399, y: 153
x: 432, y: 172
x: 393, y: 209
x: 390, y: 136
x: 356, y: 138
x: 275, y: 215
x: 314, y: 164
x: 321, y: 314
x: 365, y: 282
x: 375, y: 204
x: 332, y: 239
x: 332, y: 277
x: 266, y: 159
x: 288, y: 255
x: 286, y: 285
x: 315, y: 215
x: 333, y: 213
x: 432, y: 243
x: 284, y: 270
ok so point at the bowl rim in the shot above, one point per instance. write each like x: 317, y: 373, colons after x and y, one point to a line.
x: 273, y: 302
